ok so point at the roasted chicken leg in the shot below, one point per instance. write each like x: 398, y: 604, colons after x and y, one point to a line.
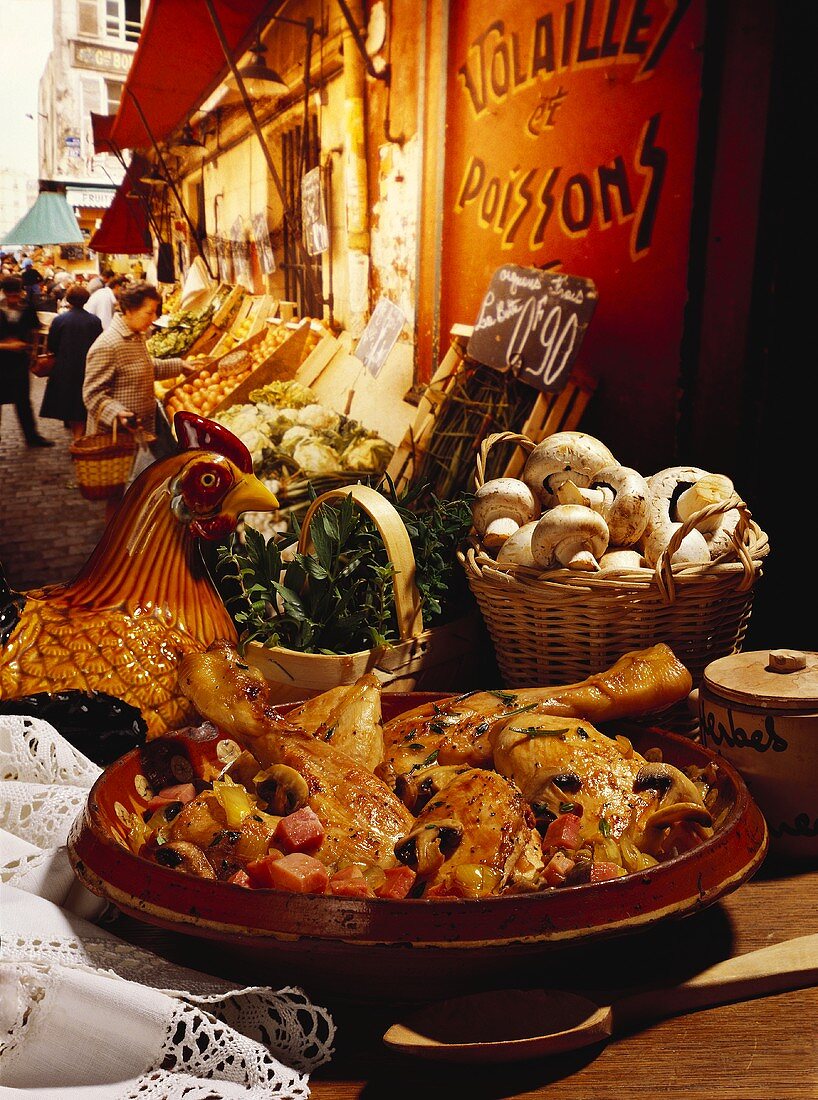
x: 362, y: 817
x: 458, y: 730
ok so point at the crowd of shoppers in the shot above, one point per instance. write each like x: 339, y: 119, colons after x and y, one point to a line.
x: 102, y: 371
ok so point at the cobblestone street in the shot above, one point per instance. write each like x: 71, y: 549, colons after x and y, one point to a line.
x: 47, y: 529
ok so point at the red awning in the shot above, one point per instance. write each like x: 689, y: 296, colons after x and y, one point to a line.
x: 101, y: 129
x: 125, y: 229
x: 178, y: 63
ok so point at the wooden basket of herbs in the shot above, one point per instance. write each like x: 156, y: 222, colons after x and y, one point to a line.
x: 303, y: 608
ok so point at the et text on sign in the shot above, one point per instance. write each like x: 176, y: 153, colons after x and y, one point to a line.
x: 533, y: 322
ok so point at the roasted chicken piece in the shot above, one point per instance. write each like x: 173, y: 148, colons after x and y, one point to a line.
x: 476, y: 838
x: 566, y: 765
x: 362, y: 817
x: 349, y: 717
x: 458, y: 730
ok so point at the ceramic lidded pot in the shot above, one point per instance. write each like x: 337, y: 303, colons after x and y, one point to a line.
x: 760, y: 711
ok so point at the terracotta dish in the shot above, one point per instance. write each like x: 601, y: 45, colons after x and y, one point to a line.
x: 378, y: 949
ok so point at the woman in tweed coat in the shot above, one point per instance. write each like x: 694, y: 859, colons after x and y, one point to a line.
x: 120, y: 372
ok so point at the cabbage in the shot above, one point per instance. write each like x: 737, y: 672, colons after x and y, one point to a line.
x: 367, y: 454
x: 315, y: 458
x: 316, y: 416
x: 293, y: 436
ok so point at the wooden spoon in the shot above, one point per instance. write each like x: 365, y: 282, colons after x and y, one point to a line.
x: 513, y: 1024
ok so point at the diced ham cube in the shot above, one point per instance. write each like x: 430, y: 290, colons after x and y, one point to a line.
x: 297, y: 872
x: 398, y: 882
x: 563, y: 832
x: 181, y: 792
x: 350, y: 882
x: 557, y: 868
x: 602, y: 871
x: 240, y: 878
x: 301, y: 831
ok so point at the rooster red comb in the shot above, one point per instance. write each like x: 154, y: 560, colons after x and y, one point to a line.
x: 196, y: 433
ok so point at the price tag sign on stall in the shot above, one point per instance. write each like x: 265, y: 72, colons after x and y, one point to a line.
x: 532, y: 322
x: 380, y: 335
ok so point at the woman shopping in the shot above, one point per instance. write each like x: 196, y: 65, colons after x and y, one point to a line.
x: 120, y: 372
x: 69, y: 338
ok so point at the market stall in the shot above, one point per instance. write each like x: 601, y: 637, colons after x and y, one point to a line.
x: 405, y: 709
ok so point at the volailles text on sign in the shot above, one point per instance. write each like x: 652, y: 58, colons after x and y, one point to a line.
x: 533, y: 322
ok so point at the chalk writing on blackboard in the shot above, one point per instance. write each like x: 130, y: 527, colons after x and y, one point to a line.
x: 380, y: 335
x: 533, y: 323
x: 313, y: 213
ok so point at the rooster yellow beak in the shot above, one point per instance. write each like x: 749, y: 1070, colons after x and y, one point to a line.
x: 250, y: 495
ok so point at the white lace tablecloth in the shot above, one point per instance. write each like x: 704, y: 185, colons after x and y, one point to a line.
x: 85, y: 1015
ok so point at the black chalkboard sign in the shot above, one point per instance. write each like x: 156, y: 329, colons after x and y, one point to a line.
x: 380, y: 335
x: 533, y: 323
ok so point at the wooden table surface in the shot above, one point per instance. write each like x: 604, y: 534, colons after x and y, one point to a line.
x: 763, y: 1049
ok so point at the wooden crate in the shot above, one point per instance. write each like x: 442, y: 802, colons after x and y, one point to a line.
x: 254, y: 308
x: 550, y: 412
x: 282, y: 365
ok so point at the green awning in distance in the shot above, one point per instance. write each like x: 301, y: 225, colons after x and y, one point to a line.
x: 50, y: 221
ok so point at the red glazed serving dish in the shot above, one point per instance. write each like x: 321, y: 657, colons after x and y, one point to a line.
x: 378, y: 949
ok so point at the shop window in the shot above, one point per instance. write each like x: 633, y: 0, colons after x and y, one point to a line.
x: 88, y: 18
x: 300, y: 152
x: 123, y: 19
x: 113, y: 92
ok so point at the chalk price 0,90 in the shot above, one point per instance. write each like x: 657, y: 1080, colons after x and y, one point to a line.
x: 556, y: 339
x: 533, y: 322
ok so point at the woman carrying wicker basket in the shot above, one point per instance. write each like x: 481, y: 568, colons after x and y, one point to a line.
x: 120, y: 372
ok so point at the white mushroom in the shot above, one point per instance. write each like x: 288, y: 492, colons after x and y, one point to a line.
x: 500, y: 507
x: 516, y: 550
x: 718, y: 528
x: 561, y: 457
x: 570, y: 535
x: 625, y: 502
x: 666, y: 487
x: 709, y: 489
x: 618, y: 558
x: 569, y: 493
x: 693, y: 549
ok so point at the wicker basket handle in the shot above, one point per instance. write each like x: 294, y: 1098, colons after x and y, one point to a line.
x: 664, y: 570
x: 498, y: 437
x: 398, y: 548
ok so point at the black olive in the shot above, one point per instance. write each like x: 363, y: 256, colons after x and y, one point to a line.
x: 172, y: 810
x: 568, y: 781
x: 168, y: 857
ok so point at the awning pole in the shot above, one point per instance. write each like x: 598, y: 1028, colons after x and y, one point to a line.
x: 248, y: 106
x: 169, y: 178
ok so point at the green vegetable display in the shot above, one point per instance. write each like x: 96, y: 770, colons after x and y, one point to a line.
x: 184, y: 329
x: 339, y: 599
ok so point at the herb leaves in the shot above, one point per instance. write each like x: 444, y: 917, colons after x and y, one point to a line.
x: 339, y: 598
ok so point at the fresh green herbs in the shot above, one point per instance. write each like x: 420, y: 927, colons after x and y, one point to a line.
x: 339, y: 598
x: 604, y: 827
x: 538, y: 731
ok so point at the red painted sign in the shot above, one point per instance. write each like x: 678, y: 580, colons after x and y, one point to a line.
x: 571, y: 141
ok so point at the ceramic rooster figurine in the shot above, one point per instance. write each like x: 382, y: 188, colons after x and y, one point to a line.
x: 144, y: 598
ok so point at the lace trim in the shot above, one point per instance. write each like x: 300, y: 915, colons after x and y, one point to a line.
x: 197, y: 1048
x: 32, y: 751
x: 42, y: 815
x: 284, y: 1020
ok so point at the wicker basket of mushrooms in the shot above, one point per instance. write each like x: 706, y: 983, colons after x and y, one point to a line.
x: 581, y: 559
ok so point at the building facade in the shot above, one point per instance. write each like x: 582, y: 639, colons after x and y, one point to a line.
x: 94, y: 43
